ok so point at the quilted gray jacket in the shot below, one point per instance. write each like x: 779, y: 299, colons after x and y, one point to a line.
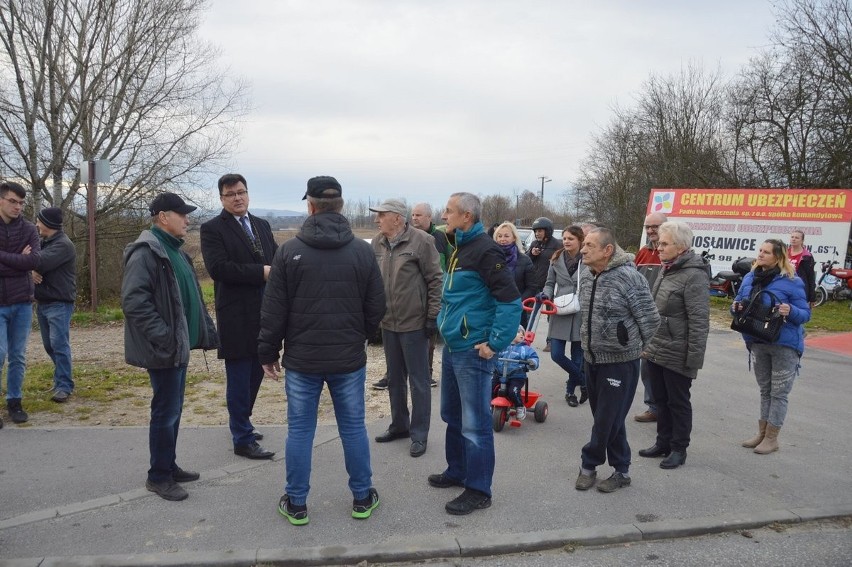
x: 619, y: 315
x: 680, y: 293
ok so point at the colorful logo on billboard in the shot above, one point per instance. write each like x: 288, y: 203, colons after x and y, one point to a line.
x: 663, y: 202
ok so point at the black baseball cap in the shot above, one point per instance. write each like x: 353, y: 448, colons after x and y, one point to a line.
x: 169, y: 202
x: 323, y: 187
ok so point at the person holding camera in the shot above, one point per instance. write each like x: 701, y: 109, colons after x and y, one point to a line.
x: 776, y: 364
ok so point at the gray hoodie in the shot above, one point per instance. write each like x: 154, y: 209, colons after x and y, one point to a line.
x: 619, y: 315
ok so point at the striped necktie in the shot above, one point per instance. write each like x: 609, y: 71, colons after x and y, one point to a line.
x: 245, y: 223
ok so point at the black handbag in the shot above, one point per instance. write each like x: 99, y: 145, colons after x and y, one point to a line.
x: 758, y: 319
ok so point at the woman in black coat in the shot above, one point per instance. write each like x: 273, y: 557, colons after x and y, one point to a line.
x: 506, y: 235
x: 804, y: 263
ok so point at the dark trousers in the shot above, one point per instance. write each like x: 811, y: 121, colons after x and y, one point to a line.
x: 674, y: 410
x: 166, y: 407
x: 407, y: 357
x: 649, y: 389
x: 243, y: 376
x: 611, y: 389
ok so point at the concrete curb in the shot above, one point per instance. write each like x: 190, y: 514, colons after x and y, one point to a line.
x: 449, y: 547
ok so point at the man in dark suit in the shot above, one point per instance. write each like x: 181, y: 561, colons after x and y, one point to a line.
x: 238, y: 248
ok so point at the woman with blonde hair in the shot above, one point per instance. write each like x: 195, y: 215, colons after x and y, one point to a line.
x: 776, y: 364
x: 506, y: 235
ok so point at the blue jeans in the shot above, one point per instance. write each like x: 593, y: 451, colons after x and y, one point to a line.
x: 466, y: 409
x: 166, y: 406
x: 775, y: 367
x: 573, y: 366
x: 242, y: 383
x: 347, y: 394
x: 54, y: 322
x: 15, y: 323
x: 611, y: 391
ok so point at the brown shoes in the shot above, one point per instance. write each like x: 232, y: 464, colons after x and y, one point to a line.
x: 646, y: 416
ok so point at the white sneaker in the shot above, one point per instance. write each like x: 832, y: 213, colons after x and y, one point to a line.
x: 520, y: 413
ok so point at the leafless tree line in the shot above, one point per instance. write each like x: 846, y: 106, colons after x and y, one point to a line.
x: 784, y: 121
x: 123, y: 80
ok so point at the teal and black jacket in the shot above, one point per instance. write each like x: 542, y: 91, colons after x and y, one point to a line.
x: 479, y: 302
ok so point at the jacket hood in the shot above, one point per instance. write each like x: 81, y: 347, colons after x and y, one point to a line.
x: 146, y: 239
x: 619, y: 258
x: 326, y: 230
x: 466, y: 236
x: 691, y: 260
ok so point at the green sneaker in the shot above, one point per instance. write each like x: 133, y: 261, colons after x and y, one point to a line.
x: 362, y: 508
x: 296, y: 515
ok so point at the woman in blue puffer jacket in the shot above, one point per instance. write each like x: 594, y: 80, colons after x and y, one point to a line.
x: 777, y: 364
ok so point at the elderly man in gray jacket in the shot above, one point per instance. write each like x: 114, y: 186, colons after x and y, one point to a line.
x: 619, y: 320
x: 411, y: 271
x: 164, y: 317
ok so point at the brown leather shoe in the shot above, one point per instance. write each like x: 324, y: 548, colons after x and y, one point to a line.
x: 645, y: 417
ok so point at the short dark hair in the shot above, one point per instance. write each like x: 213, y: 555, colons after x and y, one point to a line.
x: 15, y: 188
x: 231, y: 179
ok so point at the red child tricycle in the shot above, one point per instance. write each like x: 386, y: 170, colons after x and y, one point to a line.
x: 503, y: 409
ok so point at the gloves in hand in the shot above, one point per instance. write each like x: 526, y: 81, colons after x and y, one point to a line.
x: 541, y: 297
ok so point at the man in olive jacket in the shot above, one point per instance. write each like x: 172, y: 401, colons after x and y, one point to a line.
x: 412, y: 276
x: 164, y: 317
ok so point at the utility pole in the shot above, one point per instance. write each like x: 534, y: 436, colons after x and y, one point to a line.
x: 544, y: 179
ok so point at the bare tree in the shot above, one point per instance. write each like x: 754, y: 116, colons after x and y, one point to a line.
x: 497, y: 208
x: 123, y: 80
x: 792, y: 105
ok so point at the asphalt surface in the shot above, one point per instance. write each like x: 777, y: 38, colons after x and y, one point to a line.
x: 76, y: 496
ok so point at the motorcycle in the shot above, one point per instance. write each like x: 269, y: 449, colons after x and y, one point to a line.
x: 834, y: 283
x: 727, y: 283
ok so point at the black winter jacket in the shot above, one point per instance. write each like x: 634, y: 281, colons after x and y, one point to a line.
x: 58, y: 268
x: 324, y: 297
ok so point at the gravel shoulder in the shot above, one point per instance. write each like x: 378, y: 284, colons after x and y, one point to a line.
x: 103, y: 346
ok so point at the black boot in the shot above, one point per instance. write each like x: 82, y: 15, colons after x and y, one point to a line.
x: 16, y: 412
x: 584, y: 394
x: 674, y: 460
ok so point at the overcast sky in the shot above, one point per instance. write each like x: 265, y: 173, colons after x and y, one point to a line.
x: 419, y: 99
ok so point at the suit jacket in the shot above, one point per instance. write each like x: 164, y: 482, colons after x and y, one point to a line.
x: 236, y: 266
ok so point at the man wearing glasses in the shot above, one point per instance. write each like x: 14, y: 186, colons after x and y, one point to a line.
x: 19, y: 254
x: 648, y: 263
x: 238, y: 248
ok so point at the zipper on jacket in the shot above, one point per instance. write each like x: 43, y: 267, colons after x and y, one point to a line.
x: 589, y: 325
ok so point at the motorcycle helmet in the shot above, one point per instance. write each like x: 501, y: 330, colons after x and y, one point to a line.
x: 545, y: 223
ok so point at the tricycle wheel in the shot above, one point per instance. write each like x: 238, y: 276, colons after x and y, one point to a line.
x: 498, y: 418
x: 541, y: 411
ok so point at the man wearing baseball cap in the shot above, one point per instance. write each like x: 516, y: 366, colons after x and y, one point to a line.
x: 55, y: 280
x: 411, y: 270
x: 164, y: 317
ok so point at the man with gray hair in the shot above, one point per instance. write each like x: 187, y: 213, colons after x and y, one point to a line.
x: 619, y: 320
x: 480, y: 312
x: 411, y: 272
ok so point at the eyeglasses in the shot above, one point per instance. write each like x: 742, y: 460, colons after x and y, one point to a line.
x: 650, y: 226
x: 661, y: 244
x: 15, y: 202
x: 232, y: 195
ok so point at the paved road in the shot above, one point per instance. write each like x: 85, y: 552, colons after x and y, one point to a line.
x: 78, y: 492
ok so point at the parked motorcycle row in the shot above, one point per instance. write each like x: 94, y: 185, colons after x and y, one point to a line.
x: 834, y: 284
